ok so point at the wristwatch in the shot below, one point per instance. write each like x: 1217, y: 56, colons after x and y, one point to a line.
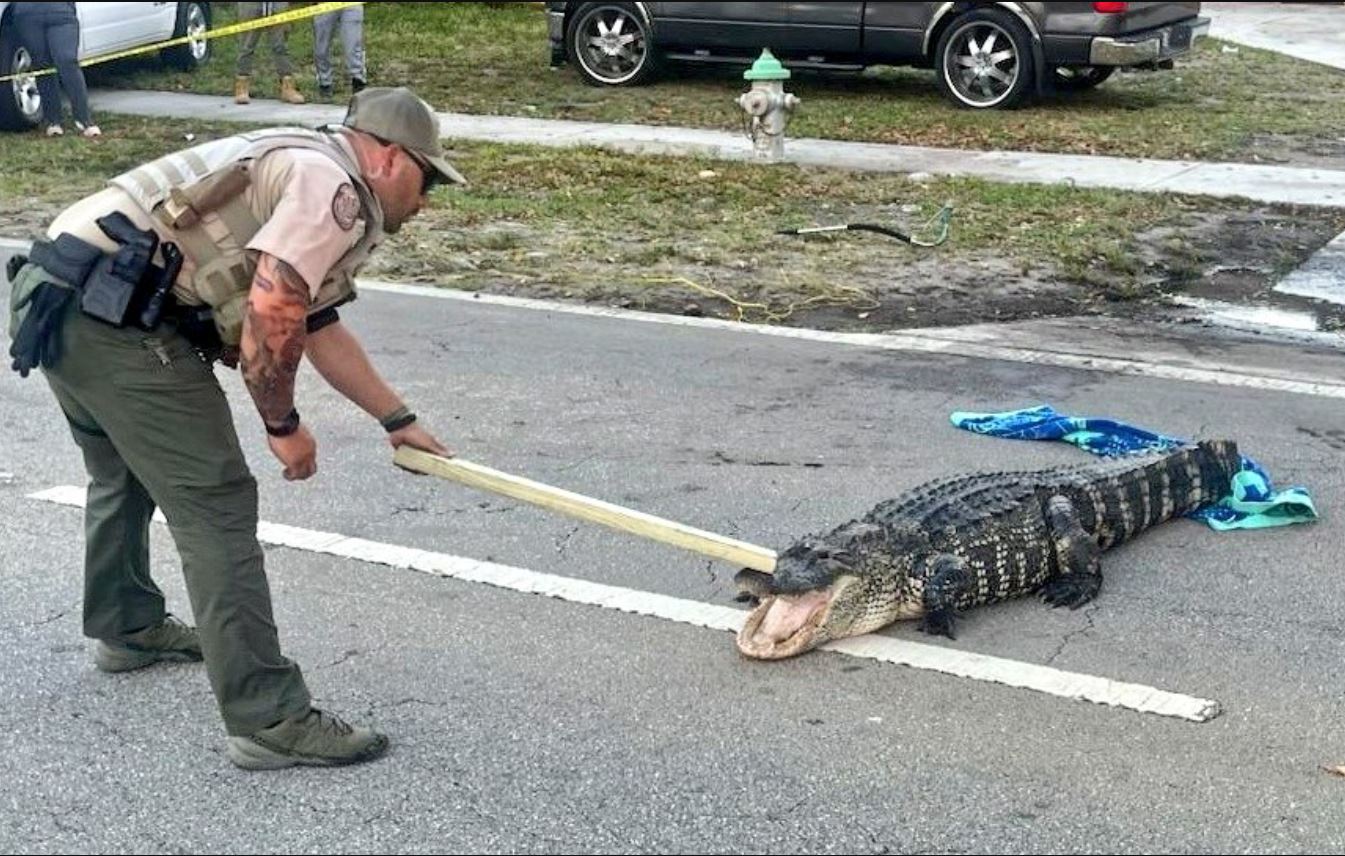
x: 397, y: 419
x: 288, y: 425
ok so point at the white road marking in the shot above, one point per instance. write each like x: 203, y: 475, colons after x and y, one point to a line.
x: 965, y: 664
x: 954, y: 341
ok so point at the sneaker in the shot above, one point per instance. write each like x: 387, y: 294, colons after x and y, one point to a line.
x: 312, y: 739
x: 356, y: 84
x: 90, y: 130
x: 324, y: 90
x: 55, y: 130
x: 168, y: 641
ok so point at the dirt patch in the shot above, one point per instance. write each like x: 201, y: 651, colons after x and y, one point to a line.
x: 27, y: 218
x: 894, y: 293
x: 875, y: 283
x: 1236, y: 257
x: 849, y: 281
x: 1297, y: 151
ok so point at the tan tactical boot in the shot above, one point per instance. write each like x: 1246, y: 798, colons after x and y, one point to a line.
x: 168, y: 641
x: 313, y: 739
x: 241, y: 95
x: 289, y: 93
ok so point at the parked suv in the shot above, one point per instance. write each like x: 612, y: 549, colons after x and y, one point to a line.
x: 103, y: 28
x: 986, y: 54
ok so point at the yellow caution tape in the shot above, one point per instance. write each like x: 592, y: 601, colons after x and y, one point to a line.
x: 231, y: 30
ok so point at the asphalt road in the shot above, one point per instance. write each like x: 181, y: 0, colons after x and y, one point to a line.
x: 526, y: 724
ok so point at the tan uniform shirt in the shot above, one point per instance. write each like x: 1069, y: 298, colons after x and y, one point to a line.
x: 305, y: 202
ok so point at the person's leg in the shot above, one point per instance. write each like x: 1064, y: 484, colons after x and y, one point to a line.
x: 323, y: 27
x: 123, y: 608
x: 280, y: 53
x: 247, y: 41
x: 163, y: 411
x: 30, y: 24
x: 278, y: 38
x: 352, y: 42
x: 63, y: 42
x: 119, y: 595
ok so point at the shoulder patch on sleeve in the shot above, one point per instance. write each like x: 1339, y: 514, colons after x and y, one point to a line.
x: 345, y: 206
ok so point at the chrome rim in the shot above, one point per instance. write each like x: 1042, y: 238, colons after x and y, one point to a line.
x: 196, y: 27
x: 981, y: 64
x: 610, y: 43
x: 26, y: 96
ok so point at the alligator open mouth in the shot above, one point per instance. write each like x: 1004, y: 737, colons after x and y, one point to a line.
x: 784, y: 625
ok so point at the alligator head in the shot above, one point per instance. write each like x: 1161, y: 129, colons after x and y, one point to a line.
x: 821, y: 591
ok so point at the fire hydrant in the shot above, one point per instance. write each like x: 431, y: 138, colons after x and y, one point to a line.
x: 768, y: 106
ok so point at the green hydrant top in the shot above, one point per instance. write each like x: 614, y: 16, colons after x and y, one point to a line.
x: 767, y: 67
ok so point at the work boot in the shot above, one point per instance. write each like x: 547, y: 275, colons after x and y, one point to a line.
x: 241, y: 85
x: 168, y: 641
x: 313, y: 739
x: 289, y: 93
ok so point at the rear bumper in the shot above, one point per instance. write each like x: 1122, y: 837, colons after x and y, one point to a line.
x: 1149, y: 46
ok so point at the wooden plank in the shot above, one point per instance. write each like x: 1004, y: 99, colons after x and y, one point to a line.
x: 586, y: 508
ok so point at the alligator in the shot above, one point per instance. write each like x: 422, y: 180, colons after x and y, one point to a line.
x: 973, y: 539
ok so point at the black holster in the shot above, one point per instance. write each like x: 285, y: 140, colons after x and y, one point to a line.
x: 126, y: 286
x: 120, y: 288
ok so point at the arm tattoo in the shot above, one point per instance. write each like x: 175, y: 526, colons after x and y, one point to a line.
x: 273, y: 337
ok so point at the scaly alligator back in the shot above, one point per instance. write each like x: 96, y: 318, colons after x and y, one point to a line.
x: 1117, y: 504
x: 1117, y: 499
x: 975, y: 539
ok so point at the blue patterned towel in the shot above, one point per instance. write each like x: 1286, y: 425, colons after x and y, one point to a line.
x: 1252, y: 504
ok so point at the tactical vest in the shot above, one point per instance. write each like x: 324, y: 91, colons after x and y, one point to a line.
x: 197, y: 195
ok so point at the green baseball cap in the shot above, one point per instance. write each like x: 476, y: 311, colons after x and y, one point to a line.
x: 398, y: 115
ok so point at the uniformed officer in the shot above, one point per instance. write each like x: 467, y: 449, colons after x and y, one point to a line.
x: 268, y: 229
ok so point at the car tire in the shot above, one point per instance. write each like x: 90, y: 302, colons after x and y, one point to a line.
x: 611, y: 44
x: 20, y: 103
x: 985, y: 61
x: 1077, y: 78
x: 192, y: 18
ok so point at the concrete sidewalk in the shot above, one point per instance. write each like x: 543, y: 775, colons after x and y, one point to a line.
x: 1315, y: 32
x: 1261, y: 183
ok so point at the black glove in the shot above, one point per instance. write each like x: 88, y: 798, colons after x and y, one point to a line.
x: 38, y: 340
x: 14, y: 265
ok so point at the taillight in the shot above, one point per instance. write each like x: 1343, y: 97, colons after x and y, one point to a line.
x: 1110, y: 8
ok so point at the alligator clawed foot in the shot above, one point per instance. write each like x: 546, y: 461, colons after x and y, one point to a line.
x: 938, y: 622
x: 1073, y: 590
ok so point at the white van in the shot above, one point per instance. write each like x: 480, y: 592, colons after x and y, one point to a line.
x: 103, y: 28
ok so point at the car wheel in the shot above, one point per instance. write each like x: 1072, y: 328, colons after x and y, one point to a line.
x: 984, y: 60
x: 20, y: 103
x: 193, y: 19
x: 611, y: 44
x: 1076, y: 78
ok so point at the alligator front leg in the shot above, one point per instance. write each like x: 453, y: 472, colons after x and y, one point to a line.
x: 1077, y: 557
x: 947, y: 580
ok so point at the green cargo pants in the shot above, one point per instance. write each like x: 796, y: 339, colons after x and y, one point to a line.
x: 156, y: 430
